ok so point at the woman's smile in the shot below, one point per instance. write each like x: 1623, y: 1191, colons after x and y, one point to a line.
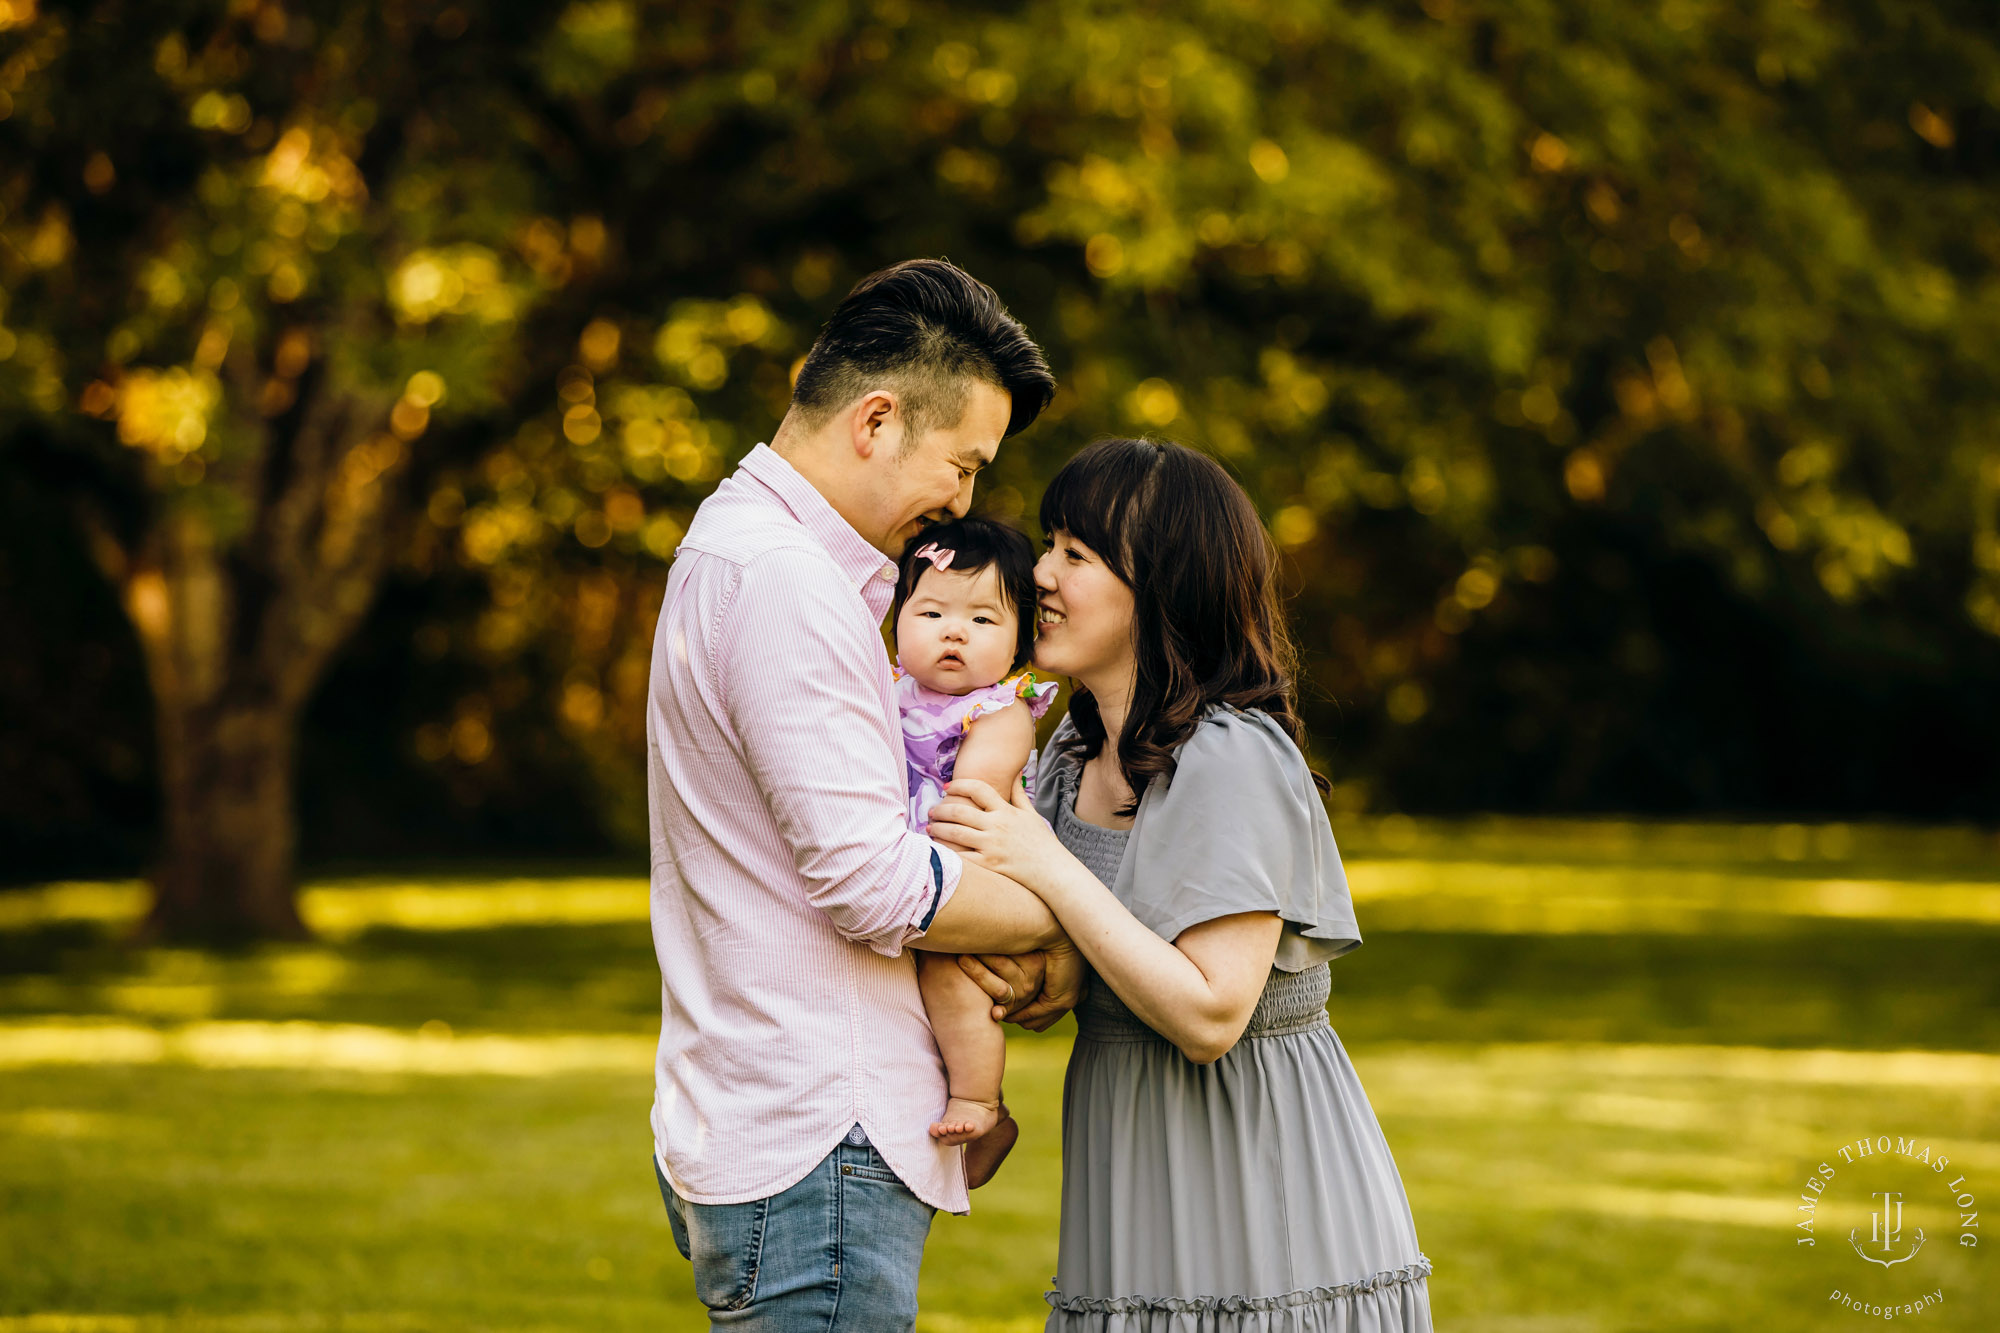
x: 1083, y: 619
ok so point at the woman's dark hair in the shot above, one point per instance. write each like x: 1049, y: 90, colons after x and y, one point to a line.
x: 1207, y: 627
x: 926, y: 326
x: 976, y: 543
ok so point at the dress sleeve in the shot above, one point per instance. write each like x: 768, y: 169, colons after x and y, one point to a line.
x: 996, y: 697
x: 1046, y: 790
x: 1240, y: 828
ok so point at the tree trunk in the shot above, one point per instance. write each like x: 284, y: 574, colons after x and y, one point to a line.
x: 225, y: 871
x: 237, y: 626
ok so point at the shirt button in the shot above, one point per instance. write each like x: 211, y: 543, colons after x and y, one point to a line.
x: 888, y: 574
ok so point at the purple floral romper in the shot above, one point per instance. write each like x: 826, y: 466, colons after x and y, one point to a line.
x: 934, y: 726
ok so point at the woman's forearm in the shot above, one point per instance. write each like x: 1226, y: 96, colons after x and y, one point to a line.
x: 1197, y: 991
x: 1165, y: 988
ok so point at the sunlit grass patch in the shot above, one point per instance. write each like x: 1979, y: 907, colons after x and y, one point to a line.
x: 112, y: 904
x: 1867, y: 850
x: 1551, y: 898
x: 944, y: 1322
x: 1501, y: 895
x: 273, y: 1322
x: 1690, y: 1133
x: 343, y: 910
x: 430, y: 1049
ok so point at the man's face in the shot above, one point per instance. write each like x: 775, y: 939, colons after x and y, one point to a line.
x: 931, y: 480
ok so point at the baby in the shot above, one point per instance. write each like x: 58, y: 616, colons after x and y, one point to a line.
x: 965, y: 628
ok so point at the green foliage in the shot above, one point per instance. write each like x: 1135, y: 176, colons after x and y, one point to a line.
x: 1457, y: 290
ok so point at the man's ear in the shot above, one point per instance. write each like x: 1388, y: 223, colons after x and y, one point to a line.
x: 875, y: 421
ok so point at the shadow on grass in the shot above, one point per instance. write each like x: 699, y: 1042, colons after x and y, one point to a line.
x: 1829, y: 984
x: 1823, y: 984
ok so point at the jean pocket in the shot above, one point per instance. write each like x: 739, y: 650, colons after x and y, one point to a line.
x: 873, y: 1168
x: 725, y: 1244
x: 674, y: 1209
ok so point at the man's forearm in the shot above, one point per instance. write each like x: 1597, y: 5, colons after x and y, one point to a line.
x: 990, y: 913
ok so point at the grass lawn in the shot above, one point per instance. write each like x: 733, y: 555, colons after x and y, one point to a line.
x: 437, y: 1118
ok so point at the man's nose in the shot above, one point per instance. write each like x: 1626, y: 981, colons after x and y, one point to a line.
x: 961, y: 504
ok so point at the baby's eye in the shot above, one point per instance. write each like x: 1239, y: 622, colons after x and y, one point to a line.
x: 931, y: 615
x: 984, y: 620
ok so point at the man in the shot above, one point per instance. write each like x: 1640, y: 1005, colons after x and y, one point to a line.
x: 797, y: 1075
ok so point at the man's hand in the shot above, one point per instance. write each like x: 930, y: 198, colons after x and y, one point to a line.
x: 1011, y: 981
x: 1032, y: 990
x: 1064, y: 975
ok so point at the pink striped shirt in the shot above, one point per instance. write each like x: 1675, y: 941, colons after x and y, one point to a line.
x: 786, y: 880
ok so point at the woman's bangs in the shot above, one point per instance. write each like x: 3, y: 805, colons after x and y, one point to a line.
x: 1092, y: 498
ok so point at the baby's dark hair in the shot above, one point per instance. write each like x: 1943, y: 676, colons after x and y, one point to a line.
x: 976, y: 543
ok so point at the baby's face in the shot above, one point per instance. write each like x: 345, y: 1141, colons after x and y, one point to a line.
x: 958, y: 631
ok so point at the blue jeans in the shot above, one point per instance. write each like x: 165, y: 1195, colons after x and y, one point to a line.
x: 836, y: 1253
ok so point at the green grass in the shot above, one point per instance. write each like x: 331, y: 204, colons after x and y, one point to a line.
x: 1599, y: 1129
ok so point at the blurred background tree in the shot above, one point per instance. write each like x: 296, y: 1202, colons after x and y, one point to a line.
x: 1619, y: 382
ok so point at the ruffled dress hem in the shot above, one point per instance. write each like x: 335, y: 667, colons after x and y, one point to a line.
x: 1388, y: 1302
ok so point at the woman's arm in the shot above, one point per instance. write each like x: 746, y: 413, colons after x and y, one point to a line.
x: 1198, y: 991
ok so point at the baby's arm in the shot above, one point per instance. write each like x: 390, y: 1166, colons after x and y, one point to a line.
x: 997, y: 746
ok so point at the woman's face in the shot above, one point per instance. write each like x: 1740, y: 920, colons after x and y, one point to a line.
x: 1084, y: 630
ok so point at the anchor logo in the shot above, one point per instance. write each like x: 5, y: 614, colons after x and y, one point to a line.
x: 1885, y: 1230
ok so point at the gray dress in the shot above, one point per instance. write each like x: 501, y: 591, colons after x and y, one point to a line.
x: 1256, y: 1193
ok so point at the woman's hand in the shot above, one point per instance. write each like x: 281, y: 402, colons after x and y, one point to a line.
x: 1008, y: 838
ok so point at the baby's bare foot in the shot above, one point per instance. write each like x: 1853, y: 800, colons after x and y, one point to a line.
x: 963, y: 1121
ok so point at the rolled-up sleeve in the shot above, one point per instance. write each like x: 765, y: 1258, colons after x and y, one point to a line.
x: 798, y: 669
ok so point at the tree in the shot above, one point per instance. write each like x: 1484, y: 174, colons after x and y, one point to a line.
x: 298, y: 294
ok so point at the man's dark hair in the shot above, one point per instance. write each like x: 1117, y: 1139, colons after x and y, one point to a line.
x: 923, y: 327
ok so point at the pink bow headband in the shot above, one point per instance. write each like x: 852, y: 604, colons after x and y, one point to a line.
x: 939, y: 556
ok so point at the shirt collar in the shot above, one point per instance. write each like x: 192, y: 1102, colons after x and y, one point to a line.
x: 872, y: 573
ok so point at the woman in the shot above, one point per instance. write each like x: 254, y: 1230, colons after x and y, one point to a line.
x: 1222, y: 1169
